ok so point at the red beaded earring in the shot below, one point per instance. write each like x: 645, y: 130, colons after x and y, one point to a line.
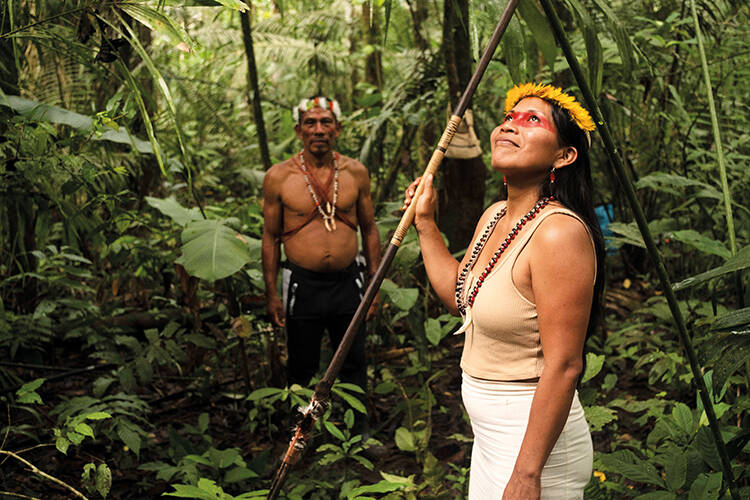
x: 505, y: 181
x: 552, y: 176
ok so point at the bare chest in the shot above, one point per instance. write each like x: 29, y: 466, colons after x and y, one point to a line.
x: 299, y: 195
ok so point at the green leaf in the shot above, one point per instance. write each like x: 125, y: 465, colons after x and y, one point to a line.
x: 626, y: 463
x: 85, y: 429
x: 238, y: 474
x: 264, y: 393
x: 101, y: 384
x: 594, y: 365
x: 433, y: 331
x: 512, y: 47
x: 624, y: 45
x: 405, y: 439
x: 131, y: 438
x: 739, y: 261
x: 201, y: 340
x: 657, y: 495
x: 172, y: 209
x: 365, y: 463
x: 675, y: 471
x: 221, y: 459
x: 188, y: 491
x: 211, y: 250
x: 380, y: 487
x: 352, y: 401
x: 162, y: 84
x: 594, y: 56
x: 333, y: 430
x: 706, y: 487
x: 701, y: 243
x: 628, y: 233
x: 599, y: 416
x: 98, y: 415
x: 103, y: 480
x: 27, y: 393
x: 683, y: 417
x: 735, y: 356
x: 348, y: 386
x: 388, y: 7
x: 667, y: 183
x: 160, y: 22
x: 127, y: 379
x: 403, y: 298
x: 203, y: 422
x: 704, y: 443
x: 62, y: 444
x: 733, y: 319
x: 144, y: 370
x: 235, y: 4
x: 75, y: 437
x: 36, y: 110
x: 540, y: 30
x: 87, y: 470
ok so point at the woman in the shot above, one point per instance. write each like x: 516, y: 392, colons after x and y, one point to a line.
x: 528, y: 289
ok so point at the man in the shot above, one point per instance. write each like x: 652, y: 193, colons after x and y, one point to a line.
x: 313, y: 203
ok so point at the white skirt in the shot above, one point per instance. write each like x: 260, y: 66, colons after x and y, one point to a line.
x: 499, y: 413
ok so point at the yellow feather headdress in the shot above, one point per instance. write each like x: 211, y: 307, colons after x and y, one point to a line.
x: 577, y: 113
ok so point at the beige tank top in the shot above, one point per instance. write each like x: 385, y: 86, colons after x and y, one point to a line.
x: 502, y: 333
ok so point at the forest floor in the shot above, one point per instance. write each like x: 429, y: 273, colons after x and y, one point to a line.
x: 177, y: 402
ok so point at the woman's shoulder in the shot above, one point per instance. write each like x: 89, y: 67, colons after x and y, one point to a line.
x: 562, y: 231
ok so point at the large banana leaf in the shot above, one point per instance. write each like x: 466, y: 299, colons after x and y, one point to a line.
x: 212, y: 251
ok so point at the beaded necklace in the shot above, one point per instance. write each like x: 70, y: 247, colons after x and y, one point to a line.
x: 461, y: 282
x: 329, y: 212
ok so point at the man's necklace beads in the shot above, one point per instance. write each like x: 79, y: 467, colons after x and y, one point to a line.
x: 461, y: 281
x: 330, y: 211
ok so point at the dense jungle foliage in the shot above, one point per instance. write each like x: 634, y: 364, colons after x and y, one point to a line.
x: 136, y: 357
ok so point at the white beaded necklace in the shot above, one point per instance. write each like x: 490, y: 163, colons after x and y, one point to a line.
x: 329, y: 212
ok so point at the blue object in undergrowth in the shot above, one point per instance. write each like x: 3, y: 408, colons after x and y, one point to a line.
x: 604, y: 215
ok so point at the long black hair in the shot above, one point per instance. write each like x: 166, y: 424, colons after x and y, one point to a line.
x: 574, y: 188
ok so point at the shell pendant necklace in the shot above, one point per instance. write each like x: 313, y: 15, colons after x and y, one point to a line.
x: 329, y: 212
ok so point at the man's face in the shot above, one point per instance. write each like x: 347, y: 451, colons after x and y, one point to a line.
x: 318, y: 130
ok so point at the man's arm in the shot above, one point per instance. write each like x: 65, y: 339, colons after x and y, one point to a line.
x: 273, y: 225
x: 369, y: 231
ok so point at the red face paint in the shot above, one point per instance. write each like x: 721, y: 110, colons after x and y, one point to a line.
x: 528, y: 119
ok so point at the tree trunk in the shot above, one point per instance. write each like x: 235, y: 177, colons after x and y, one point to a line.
x: 418, y: 10
x: 252, y: 77
x: 399, y: 163
x: 371, y: 30
x: 8, y: 70
x: 461, y: 192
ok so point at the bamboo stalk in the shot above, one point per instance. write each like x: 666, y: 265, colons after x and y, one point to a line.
x: 319, y: 401
x: 717, y: 134
x: 719, y: 151
x: 656, y: 259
